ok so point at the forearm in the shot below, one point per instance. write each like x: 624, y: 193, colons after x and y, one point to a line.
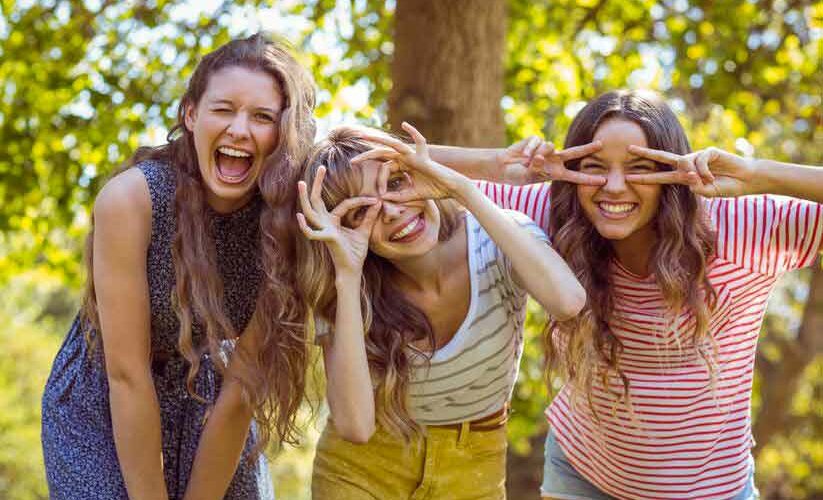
x: 221, y: 444
x: 135, y: 415
x: 349, y: 388
x: 787, y: 179
x: 537, y: 267
x: 475, y: 163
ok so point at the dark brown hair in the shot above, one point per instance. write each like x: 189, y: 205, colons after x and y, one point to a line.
x: 584, y: 348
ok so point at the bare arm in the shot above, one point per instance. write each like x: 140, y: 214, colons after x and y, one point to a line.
x: 227, y: 427
x: 528, y: 161
x: 535, y: 266
x: 714, y: 172
x: 122, y: 215
x: 348, y: 388
x: 475, y: 163
x: 789, y: 179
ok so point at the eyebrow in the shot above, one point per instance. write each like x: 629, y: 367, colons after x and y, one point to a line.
x: 231, y: 103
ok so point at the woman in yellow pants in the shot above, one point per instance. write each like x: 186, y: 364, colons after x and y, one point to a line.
x: 419, y: 305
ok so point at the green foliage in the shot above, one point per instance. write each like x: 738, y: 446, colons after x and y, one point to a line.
x: 349, y: 47
x: 29, y: 317
x: 84, y: 83
x: 82, y: 87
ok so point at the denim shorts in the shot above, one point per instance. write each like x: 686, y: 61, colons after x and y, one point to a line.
x: 562, y: 481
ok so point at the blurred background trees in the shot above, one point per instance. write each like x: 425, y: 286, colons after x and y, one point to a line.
x: 85, y: 82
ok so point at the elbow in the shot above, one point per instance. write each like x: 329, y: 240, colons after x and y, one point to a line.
x: 129, y: 379
x: 572, y: 304
x: 356, y: 432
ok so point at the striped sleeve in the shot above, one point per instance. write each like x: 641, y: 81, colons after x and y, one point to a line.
x: 768, y: 234
x: 531, y: 199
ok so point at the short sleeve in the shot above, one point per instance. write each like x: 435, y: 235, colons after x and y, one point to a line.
x: 767, y: 234
x: 531, y: 200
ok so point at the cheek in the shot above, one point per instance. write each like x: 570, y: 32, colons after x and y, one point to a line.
x: 651, y: 196
x: 266, y: 135
x: 585, y: 194
x: 376, y: 236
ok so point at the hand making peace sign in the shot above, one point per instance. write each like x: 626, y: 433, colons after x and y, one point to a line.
x: 709, y: 172
x: 533, y: 160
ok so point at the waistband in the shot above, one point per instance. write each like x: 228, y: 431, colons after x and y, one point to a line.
x: 491, y: 422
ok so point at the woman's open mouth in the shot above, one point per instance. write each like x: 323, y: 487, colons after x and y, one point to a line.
x: 410, y: 231
x: 612, y: 210
x: 233, y: 165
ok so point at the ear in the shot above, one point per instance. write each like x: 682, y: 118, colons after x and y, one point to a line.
x: 189, y: 115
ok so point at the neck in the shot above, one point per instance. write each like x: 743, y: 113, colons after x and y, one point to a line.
x: 428, y: 272
x: 635, y: 251
x: 424, y: 272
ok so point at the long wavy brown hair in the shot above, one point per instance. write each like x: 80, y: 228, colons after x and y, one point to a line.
x: 274, y: 381
x: 584, y: 350
x: 392, y: 321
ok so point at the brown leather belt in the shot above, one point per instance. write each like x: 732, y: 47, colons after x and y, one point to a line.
x: 491, y: 422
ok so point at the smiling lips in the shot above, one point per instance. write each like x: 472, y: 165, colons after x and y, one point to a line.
x: 233, y: 165
x: 410, y: 231
x: 613, y: 210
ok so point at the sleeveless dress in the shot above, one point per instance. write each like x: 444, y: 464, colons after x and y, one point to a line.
x: 78, y: 443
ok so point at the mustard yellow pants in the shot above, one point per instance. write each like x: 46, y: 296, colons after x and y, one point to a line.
x: 447, y: 464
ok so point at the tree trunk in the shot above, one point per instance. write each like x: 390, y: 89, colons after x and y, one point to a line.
x: 448, y: 70
x: 524, y: 473
x: 779, y: 378
x: 447, y: 77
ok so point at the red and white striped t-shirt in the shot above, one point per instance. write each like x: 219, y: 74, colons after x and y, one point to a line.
x: 685, y: 441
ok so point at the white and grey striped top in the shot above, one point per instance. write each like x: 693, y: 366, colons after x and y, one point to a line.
x: 474, y: 373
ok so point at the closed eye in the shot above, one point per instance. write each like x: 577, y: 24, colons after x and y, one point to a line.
x: 264, y: 117
x: 642, y: 168
x: 593, y: 168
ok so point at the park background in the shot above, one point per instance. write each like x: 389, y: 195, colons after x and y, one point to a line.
x: 85, y: 82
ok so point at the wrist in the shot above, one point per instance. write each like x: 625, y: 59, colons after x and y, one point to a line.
x: 468, y: 195
x: 765, y: 178
x: 347, y: 281
x: 496, y: 167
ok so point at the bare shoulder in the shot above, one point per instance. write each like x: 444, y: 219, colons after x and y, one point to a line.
x: 124, y: 204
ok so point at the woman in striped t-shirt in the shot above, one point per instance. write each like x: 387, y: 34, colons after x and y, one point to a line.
x: 678, y: 253
x: 427, y: 303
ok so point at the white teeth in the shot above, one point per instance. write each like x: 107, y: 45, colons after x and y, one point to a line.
x: 617, y: 208
x: 406, y: 230
x: 233, y: 152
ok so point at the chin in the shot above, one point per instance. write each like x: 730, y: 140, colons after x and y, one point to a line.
x: 614, y: 233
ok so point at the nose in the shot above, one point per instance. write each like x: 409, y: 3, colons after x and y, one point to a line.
x: 391, y: 211
x: 615, y: 181
x: 239, y: 126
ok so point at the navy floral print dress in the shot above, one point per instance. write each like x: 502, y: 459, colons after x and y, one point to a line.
x: 78, y: 443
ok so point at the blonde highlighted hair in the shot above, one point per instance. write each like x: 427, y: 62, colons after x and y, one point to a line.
x: 392, y: 322
x: 274, y: 381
